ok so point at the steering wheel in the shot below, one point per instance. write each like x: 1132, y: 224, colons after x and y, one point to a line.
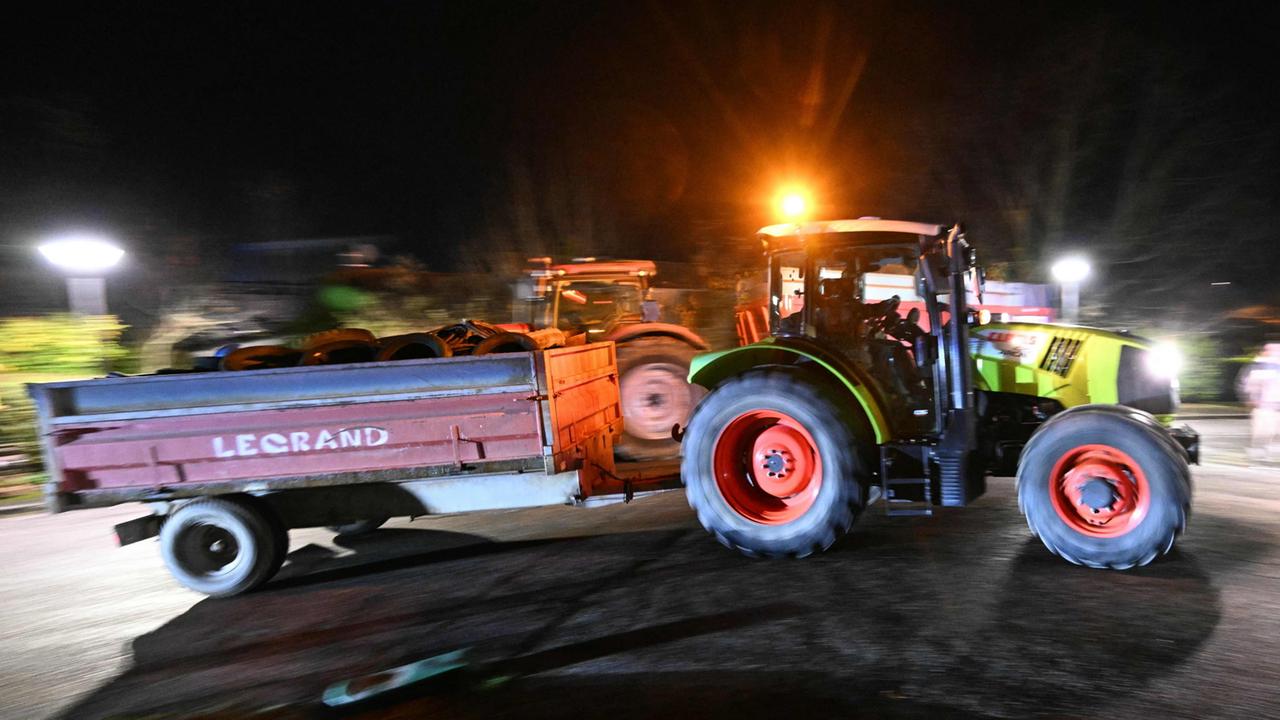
x: 881, y: 316
x: 908, y: 328
x: 891, y: 323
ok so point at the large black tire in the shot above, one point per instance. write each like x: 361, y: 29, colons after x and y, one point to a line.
x: 656, y: 395
x: 221, y: 547
x: 413, y: 346
x: 729, y: 494
x: 1145, y: 496
x: 358, y: 527
x: 505, y: 342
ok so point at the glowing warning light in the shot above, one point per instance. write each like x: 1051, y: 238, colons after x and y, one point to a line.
x: 793, y: 206
x: 793, y: 202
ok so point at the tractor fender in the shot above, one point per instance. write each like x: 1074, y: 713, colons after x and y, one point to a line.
x: 631, y: 332
x: 1141, y: 417
x: 711, y: 369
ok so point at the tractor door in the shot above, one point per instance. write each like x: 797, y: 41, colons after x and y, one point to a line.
x: 868, y: 322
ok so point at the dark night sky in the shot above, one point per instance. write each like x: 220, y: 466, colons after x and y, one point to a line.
x: 1133, y: 133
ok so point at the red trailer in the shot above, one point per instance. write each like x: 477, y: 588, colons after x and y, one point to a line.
x: 229, y: 461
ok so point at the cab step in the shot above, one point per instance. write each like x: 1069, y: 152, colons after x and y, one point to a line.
x: 906, y: 496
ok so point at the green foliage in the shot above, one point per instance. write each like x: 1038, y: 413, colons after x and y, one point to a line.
x: 1208, y: 372
x: 60, y: 344
x: 18, y: 436
x: 47, y: 349
x: 387, y: 314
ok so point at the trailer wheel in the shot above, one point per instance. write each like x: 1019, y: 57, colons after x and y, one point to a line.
x: 771, y: 465
x: 1103, y: 489
x: 655, y: 395
x: 220, y: 547
x: 359, y: 527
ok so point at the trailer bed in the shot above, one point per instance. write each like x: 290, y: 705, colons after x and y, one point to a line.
x: 165, y: 437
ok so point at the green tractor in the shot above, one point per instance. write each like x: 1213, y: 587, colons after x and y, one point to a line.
x: 851, y: 400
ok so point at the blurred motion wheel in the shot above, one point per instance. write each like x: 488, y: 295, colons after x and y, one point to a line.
x: 221, y: 547
x: 655, y: 395
x: 1103, y: 489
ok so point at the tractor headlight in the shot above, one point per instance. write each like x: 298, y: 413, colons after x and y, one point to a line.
x: 1164, y: 360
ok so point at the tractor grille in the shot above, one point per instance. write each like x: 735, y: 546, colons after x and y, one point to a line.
x: 1061, y: 353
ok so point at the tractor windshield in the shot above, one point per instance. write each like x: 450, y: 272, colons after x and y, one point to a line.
x: 596, y: 305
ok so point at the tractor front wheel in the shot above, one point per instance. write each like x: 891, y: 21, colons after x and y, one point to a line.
x: 771, y: 465
x: 1103, y: 489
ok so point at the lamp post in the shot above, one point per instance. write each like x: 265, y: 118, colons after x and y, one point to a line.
x: 1070, y: 272
x: 85, y: 261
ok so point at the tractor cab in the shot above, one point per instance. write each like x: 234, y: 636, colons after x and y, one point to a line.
x: 819, y: 294
x: 587, y: 295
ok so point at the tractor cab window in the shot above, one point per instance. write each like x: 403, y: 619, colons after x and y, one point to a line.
x: 867, y: 309
x: 596, y: 305
x: 854, y: 282
x: 787, y: 293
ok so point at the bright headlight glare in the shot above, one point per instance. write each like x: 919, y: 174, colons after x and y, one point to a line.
x: 1164, y: 360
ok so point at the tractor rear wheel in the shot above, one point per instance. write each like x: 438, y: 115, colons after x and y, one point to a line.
x: 771, y: 465
x: 655, y: 395
x: 1103, y: 489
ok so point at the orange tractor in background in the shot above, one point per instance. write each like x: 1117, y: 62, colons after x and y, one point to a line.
x: 612, y: 300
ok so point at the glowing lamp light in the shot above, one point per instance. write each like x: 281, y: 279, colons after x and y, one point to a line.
x: 1165, y: 360
x: 793, y: 205
x: 82, y: 254
x: 1070, y: 270
x: 793, y: 202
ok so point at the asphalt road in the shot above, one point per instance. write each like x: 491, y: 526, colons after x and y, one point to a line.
x: 632, y: 611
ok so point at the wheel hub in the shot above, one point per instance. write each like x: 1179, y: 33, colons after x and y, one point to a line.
x: 776, y: 462
x: 1097, y: 494
x: 767, y: 467
x: 782, y: 461
x: 1099, y: 490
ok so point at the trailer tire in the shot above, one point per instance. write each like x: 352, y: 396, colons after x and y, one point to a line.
x: 413, y: 346
x: 358, y: 527
x: 505, y: 342
x: 772, y: 465
x: 1103, y: 489
x: 220, y: 546
x: 259, y: 357
x: 655, y: 395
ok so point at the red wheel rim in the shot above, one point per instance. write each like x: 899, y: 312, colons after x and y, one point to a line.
x: 767, y: 467
x: 1099, y: 491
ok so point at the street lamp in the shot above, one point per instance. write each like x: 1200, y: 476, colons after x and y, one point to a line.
x: 1070, y: 272
x: 84, y: 260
